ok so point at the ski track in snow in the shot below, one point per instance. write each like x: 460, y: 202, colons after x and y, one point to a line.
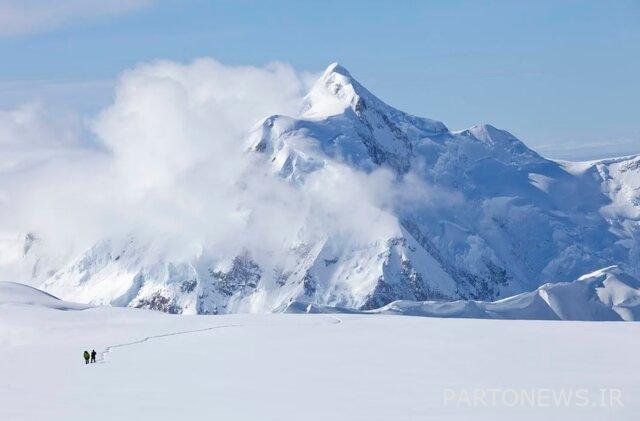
x: 103, y: 354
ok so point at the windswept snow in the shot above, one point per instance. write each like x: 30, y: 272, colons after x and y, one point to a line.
x: 311, y: 367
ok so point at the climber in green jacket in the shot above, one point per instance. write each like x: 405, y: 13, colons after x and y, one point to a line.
x: 86, y: 357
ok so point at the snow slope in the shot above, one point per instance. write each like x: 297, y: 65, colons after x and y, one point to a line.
x: 311, y: 367
x: 488, y: 218
x: 18, y: 294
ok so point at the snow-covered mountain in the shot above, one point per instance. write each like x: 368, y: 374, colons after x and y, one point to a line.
x: 493, y: 219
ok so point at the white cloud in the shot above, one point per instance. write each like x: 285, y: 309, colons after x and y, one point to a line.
x: 170, y: 158
x: 184, y: 116
x: 31, y: 134
x: 19, y: 17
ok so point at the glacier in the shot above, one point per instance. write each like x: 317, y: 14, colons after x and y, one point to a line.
x: 490, y: 219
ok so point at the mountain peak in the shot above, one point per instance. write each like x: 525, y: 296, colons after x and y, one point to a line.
x: 334, y: 92
x: 335, y: 67
x: 487, y: 132
x: 337, y: 90
x: 493, y: 136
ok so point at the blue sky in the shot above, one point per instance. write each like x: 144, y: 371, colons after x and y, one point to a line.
x: 562, y: 76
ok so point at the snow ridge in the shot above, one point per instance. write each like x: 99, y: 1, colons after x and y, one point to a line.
x: 605, y: 295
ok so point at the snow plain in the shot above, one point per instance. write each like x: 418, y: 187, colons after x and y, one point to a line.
x: 302, y: 366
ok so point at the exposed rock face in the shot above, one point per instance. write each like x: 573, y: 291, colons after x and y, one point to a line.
x: 160, y: 303
x: 242, y: 278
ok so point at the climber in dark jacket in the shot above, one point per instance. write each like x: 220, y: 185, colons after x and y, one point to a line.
x: 86, y: 357
x: 93, y: 356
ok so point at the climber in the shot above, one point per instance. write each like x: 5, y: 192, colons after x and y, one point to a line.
x: 93, y: 356
x: 86, y: 357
